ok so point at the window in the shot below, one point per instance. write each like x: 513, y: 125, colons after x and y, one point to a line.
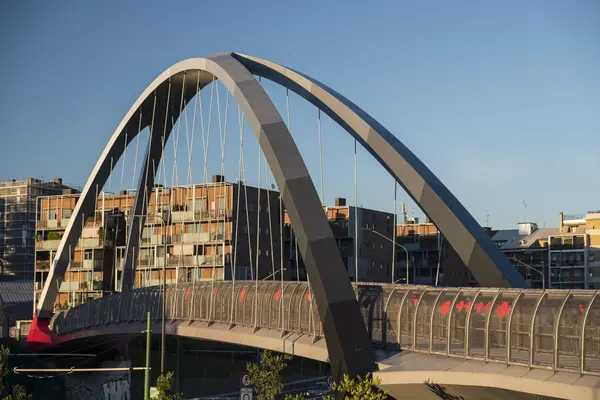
x: 50, y: 214
x: 221, y: 202
x: 87, y: 255
x: 220, y: 228
x: 66, y: 213
x: 200, y: 205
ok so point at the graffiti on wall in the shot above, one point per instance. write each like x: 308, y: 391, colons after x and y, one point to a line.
x: 116, y: 390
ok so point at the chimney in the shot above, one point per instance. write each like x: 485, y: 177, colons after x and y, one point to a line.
x: 218, y: 178
x: 340, y: 202
x: 123, y: 192
x: 561, y: 219
x: 427, y: 219
x: 58, y: 181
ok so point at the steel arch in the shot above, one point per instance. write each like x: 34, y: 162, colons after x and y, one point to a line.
x: 339, y: 311
x: 489, y: 266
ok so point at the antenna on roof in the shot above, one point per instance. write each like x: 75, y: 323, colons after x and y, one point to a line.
x: 525, y: 205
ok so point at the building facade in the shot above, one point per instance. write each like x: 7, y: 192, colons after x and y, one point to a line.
x: 17, y: 224
x: 574, y: 252
x: 370, y: 233
x: 196, y: 232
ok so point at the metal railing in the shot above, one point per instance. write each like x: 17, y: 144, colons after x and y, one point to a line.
x: 558, y: 330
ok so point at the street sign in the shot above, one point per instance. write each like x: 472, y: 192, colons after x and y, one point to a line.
x: 246, y: 394
x: 245, y: 380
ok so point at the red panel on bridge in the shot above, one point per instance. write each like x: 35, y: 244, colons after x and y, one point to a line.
x: 445, y: 308
x: 277, y: 294
x: 503, y: 309
x: 187, y: 293
x: 40, y: 336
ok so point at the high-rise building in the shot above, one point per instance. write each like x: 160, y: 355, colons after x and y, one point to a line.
x: 203, y: 232
x: 17, y: 224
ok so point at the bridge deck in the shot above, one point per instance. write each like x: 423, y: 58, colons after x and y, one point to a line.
x: 556, y: 330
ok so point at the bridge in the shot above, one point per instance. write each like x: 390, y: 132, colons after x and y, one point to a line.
x: 508, y: 339
x: 327, y: 319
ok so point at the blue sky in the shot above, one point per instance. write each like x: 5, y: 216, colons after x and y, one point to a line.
x: 500, y: 99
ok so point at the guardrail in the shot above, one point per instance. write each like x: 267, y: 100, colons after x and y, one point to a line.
x: 557, y: 330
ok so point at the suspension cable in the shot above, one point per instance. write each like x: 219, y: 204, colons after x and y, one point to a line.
x: 237, y: 217
x: 320, y: 155
x: 124, y: 159
x: 257, y: 239
x: 270, y: 219
x: 137, y: 147
x: 356, y: 214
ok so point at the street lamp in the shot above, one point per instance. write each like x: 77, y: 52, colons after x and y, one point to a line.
x: 164, y: 286
x: 397, y: 244
x: 270, y: 275
x: 530, y: 267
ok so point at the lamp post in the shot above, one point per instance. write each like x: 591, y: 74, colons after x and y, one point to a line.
x: 271, y: 274
x: 164, y: 286
x: 530, y: 267
x: 397, y: 244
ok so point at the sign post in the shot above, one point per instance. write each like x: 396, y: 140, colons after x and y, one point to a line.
x: 246, y: 391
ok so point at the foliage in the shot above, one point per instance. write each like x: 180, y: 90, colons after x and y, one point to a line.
x: 266, y: 375
x: 18, y: 393
x: 163, y: 386
x: 440, y: 391
x: 4, y: 353
x: 359, y: 388
x: 54, y: 236
x: 295, y: 396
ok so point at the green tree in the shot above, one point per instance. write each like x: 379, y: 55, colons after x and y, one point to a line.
x: 4, y: 353
x: 295, y: 396
x: 163, y: 386
x: 18, y: 393
x: 359, y: 388
x: 266, y: 375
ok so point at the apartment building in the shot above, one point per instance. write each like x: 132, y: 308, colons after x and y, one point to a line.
x: 17, y: 224
x: 195, y: 232
x: 371, y: 229
x: 574, y: 252
x: 430, y: 258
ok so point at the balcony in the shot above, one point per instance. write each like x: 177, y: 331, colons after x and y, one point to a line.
x: 47, y: 244
x: 213, y: 214
x: 42, y: 265
x: 48, y: 223
x: 88, y: 243
x: 69, y: 286
x: 155, y: 240
x: 200, y: 237
x: 64, y: 222
x: 181, y: 216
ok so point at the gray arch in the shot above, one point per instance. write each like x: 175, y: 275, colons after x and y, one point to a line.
x: 339, y: 311
x: 487, y: 264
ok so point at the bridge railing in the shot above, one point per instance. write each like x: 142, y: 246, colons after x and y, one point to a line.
x: 552, y: 329
x: 267, y: 304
